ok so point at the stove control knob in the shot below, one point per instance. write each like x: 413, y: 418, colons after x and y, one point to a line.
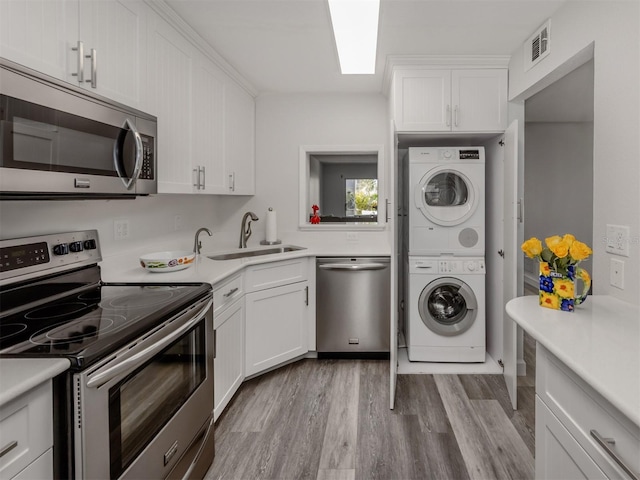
x: 90, y: 244
x: 76, y: 247
x: 61, y: 249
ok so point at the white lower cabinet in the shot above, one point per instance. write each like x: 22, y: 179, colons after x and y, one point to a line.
x: 558, y: 454
x: 276, y: 326
x: 228, y: 365
x: 26, y: 434
x: 570, y: 414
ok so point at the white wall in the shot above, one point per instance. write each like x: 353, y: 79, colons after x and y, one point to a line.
x: 614, y: 29
x: 558, y: 179
x: 284, y: 122
x: 151, y: 220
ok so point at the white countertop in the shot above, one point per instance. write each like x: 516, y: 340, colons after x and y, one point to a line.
x: 599, y: 341
x: 19, y: 375
x: 126, y: 268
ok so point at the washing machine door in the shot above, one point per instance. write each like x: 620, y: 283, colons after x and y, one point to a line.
x: 448, y: 306
x: 446, y: 196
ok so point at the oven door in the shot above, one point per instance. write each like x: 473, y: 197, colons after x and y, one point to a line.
x: 139, y: 412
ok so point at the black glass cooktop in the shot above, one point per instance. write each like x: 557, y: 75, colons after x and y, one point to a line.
x: 87, y: 325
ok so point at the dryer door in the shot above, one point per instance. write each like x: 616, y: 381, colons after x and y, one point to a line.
x: 448, y: 306
x: 446, y: 196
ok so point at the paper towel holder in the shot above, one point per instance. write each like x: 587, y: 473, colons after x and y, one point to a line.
x: 274, y: 242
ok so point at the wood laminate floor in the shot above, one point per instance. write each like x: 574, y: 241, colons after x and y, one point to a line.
x: 330, y: 419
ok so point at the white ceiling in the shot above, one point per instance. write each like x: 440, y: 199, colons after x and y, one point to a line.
x: 287, y: 45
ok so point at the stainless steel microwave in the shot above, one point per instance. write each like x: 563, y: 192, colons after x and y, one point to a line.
x: 60, y: 141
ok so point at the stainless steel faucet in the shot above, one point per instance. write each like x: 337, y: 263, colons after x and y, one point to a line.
x: 197, y: 245
x: 245, y: 228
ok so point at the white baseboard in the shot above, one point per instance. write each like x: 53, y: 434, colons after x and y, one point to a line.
x: 490, y: 366
x: 522, y: 368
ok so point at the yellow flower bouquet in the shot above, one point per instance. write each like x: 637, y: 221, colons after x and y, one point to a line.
x: 559, y: 270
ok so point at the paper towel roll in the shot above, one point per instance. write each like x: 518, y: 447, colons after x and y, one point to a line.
x: 271, y: 228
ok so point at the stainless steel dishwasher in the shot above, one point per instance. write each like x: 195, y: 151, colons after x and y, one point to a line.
x: 352, y: 305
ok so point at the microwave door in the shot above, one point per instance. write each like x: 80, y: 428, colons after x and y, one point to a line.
x: 127, y: 157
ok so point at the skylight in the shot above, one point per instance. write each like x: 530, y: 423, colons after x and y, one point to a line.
x: 355, y: 28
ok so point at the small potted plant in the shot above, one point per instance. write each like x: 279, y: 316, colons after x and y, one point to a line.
x: 559, y: 271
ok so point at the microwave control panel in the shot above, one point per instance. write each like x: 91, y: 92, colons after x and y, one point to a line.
x: 147, y: 171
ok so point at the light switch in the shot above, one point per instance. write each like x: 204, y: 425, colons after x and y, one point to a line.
x: 616, y: 272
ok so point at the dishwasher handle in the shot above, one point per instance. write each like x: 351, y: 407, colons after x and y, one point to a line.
x: 353, y: 267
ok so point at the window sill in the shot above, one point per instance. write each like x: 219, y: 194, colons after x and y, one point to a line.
x: 343, y: 227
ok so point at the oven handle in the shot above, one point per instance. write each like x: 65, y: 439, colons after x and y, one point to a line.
x: 129, y: 364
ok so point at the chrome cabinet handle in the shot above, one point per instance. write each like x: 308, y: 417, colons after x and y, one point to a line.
x: 94, y: 68
x: 125, y: 366
x: 306, y: 295
x: 80, y: 61
x: 456, y: 115
x: 448, y: 115
x: 606, y: 443
x: 8, y: 447
x: 118, y: 153
x: 386, y: 213
x: 204, y: 179
x: 232, y: 181
x: 196, y: 177
x: 230, y: 292
x: 350, y: 267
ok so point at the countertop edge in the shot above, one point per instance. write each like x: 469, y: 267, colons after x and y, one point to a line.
x: 593, y: 381
x: 18, y: 375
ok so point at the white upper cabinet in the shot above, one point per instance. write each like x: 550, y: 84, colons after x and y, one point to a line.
x: 170, y: 68
x: 39, y: 34
x: 42, y: 35
x: 208, y: 106
x: 114, y: 34
x: 479, y: 99
x: 239, y: 141
x: 450, y: 100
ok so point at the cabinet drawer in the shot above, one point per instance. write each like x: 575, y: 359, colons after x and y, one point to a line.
x: 269, y: 275
x: 41, y: 469
x: 581, y: 409
x: 227, y: 292
x: 558, y: 455
x: 27, y: 423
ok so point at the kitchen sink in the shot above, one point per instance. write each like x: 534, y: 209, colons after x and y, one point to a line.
x: 255, y: 253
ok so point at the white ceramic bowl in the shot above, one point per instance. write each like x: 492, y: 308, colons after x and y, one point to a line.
x: 167, y: 261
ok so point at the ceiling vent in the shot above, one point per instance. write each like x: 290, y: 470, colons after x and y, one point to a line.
x: 537, y: 46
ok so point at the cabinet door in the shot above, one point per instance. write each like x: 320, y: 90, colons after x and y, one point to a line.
x: 558, y: 454
x: 39, y: 34
x: 422, y: 100
x: 170, y: 72
x: 239, y: 140
x: 228, y: 365
x: 208, y: 109
x: 276, y: 326
x: 117, y: 30
x: 479, y: 100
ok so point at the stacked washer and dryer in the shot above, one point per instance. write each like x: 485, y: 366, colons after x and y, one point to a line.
x: 446, y: 318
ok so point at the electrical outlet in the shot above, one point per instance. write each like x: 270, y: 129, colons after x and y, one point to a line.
x: 616, y: 272
x: 177, y: 222
x: 618, y: 240
x: 120, y: 229
x: 352, y: 236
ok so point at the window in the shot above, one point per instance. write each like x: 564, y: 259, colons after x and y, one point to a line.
x: 361, y: 197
